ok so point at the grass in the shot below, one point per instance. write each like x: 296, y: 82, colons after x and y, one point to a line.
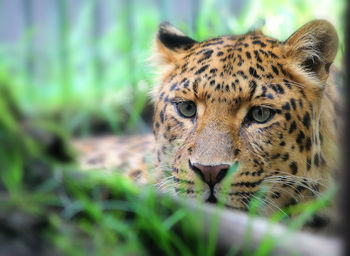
x: 65, y: 210
x: 87, y: 81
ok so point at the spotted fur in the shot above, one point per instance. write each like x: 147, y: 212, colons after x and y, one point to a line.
x: 291, y: 156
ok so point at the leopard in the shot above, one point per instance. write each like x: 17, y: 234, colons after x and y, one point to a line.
x: 235, y: 115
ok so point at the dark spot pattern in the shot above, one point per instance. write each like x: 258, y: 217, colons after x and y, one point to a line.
x: 306, y: 120
x: 294, y: 167
x: 201, y: 70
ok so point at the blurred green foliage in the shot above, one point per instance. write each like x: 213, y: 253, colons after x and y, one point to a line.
x: 87, y: 78
x: 47, y: 207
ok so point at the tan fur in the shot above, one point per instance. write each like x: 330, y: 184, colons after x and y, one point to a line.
x: 133, y: 155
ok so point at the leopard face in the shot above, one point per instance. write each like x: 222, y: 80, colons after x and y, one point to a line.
x: 235, y: 115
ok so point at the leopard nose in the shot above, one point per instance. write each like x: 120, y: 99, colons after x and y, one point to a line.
x: 210, y: 174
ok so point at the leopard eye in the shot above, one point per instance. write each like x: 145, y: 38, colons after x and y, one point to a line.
x: 261, y: 114
x: 187, y: 109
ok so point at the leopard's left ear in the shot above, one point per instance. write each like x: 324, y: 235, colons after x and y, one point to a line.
x: 314, y: 47
x: 171, y: 43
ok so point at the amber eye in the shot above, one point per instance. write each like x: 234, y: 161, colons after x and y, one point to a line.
x: 187, y: 108
x: 261, y: 114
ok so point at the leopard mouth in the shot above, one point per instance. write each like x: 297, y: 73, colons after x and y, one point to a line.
x: 211, y: 199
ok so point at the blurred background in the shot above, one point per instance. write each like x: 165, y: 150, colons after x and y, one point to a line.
x: 84, y: 62
x: 79, y: 68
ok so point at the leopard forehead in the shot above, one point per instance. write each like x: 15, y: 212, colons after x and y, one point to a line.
x: 228, y: 66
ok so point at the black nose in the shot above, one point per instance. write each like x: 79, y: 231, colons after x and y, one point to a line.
x: 210, y: 174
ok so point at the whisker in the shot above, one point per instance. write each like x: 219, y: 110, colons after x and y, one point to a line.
x: 294, y: 186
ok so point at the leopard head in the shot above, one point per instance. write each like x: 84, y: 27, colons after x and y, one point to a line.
x: 235, y: 115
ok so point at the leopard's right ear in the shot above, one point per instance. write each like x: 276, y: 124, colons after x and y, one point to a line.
x: 313, y: 47
x: 171, y: 43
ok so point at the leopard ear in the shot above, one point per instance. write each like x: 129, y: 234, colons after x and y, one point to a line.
x: 170, y: 43
x: 314, y: 47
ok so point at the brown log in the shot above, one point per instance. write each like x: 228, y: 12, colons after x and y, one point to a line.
x: 233, y: 227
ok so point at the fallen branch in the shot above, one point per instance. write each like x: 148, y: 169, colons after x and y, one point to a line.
x: 233, y: 228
